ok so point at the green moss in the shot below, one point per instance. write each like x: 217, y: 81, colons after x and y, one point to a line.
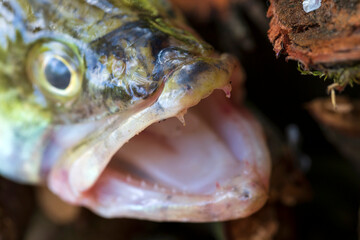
x: 343, y: 75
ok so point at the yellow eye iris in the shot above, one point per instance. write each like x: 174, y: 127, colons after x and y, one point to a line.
x: 57, y: 69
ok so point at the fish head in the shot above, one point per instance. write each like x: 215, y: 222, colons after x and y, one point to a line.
x: 80, y: 79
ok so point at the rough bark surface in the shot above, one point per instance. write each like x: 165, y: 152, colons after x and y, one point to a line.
x: 327, y: 36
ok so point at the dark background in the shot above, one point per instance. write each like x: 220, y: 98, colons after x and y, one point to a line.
x: 280, y: 92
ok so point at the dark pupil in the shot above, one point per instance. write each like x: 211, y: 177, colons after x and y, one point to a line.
x: 57, y: 73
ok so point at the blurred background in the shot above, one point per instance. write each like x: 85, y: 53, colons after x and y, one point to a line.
x: 277, y: 89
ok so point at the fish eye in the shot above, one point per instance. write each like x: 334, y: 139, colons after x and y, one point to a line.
x: 57, y: 73
x: 56, y: 69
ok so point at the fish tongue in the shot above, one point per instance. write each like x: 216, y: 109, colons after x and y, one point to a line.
x: 215, y: 168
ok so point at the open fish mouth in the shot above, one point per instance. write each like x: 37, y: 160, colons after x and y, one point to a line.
x: 152, y: 166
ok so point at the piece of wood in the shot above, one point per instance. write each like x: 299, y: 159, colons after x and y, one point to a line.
x: 344, y: 119
x: 327, y: 36
x: 340, y: 126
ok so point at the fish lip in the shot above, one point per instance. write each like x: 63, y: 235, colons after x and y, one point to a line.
x: 239, y: 198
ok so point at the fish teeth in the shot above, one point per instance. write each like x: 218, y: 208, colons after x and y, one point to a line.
x: 227, y: 89
x: 181, y: 118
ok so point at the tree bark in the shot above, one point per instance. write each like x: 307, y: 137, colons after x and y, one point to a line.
x: 327, y: 36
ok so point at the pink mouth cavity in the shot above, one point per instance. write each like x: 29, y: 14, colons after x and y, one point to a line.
x: 215, y: 168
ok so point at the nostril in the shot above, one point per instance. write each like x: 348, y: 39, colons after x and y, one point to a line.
x: 169, y: 54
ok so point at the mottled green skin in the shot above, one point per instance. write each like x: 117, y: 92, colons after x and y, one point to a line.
x: 129, y: 34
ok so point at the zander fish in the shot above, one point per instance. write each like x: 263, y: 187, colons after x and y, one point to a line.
x: 84, y: 88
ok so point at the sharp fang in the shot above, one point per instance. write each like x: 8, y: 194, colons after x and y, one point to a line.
x: 227, y: 89
x: 181, y: 118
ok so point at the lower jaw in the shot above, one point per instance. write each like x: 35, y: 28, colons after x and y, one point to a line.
x: 214, y: 168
